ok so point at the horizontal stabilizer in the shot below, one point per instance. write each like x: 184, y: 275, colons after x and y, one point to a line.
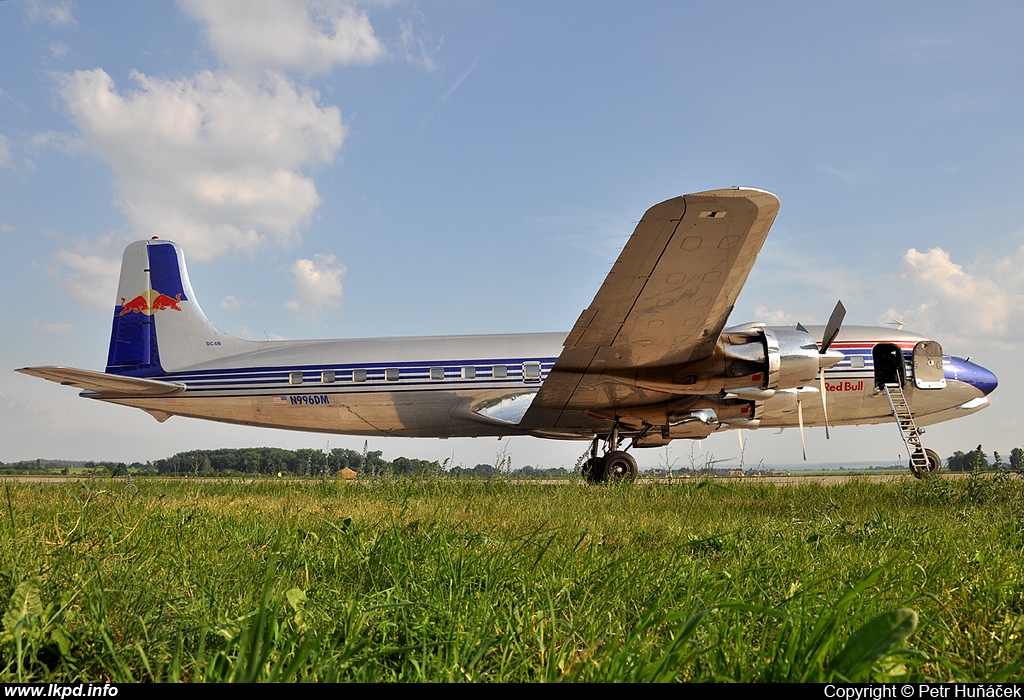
x: 105, y: 384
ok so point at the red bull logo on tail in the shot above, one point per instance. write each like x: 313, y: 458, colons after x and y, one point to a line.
x: 149, y: 302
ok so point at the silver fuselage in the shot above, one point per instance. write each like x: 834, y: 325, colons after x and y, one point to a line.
x: 466, y: 386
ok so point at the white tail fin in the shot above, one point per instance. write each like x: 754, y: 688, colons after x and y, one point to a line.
x: 158, y: 325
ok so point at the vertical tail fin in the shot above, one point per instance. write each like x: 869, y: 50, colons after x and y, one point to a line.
x: 158, y: 325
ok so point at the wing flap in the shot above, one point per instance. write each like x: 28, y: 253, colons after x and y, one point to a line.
x: 105, y: 385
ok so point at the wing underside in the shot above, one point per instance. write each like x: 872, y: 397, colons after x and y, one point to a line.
x: 663, y: 305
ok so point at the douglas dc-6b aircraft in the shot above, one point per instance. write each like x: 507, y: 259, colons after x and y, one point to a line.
x: 649, y: 361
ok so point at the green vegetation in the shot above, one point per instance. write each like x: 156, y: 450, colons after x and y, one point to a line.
x: 497, y: 580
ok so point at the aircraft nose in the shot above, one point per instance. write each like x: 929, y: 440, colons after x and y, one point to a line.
x: 977, y: 376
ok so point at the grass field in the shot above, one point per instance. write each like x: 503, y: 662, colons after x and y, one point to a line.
x: 465, y: 580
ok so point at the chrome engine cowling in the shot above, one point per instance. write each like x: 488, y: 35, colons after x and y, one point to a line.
x: 751, y: 363
x: 793, y: 358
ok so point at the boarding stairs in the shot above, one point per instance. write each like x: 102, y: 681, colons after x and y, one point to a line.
x: 908, y: 429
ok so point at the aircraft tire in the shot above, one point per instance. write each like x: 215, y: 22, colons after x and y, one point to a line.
x: 620, y: 467
x: 934, y: 461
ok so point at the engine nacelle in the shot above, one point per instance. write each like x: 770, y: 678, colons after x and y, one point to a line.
x: 793, y: 358
x: 751, y: 362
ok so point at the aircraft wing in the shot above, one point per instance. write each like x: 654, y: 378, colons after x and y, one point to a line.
x: 664, y: 302
x: 105, y: 384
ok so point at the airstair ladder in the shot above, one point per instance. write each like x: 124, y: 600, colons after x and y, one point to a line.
x: 908, y: 429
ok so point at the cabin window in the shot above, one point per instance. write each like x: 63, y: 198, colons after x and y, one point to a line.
x: 327, y: 376
x: 857, y: 362
x: 391, y: 374
x: 499, y: 372
x: 359, y: 375
x: 469, y: 372
x: 531, y: 370
x: 295, y: 378
x: 437, y: 372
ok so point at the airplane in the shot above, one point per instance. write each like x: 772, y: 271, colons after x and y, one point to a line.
x: 650, y: 360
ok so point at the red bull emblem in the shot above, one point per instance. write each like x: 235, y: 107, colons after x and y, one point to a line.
x: 149, y: 302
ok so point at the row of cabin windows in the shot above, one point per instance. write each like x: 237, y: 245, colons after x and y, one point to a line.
x: 531, y: 370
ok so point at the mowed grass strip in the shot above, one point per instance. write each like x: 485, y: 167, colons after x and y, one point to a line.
x: 465, y: 580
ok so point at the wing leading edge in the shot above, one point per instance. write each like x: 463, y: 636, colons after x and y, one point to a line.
x: 664, y: 303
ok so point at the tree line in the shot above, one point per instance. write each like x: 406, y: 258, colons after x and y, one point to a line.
x: 977, y: 460
x: 274, y: 461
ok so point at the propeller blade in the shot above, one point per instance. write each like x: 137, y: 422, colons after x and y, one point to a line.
x: 739, y: 433
x: 824, y: 404
x: 835, y: 321
x: 800, y: 418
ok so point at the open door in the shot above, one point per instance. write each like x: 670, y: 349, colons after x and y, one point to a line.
x: 928, y: 372
x: 889, y: 365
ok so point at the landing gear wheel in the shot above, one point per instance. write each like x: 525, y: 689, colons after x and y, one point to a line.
x: 914, y: 470
x: 933, y: 463
x: 619, y: 466
x: 593, y: 470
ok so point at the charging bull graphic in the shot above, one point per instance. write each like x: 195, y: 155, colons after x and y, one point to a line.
x: 149, y: 302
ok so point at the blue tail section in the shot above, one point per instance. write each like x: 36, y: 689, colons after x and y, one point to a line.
x: 158, y: 326
x: 151, y: 282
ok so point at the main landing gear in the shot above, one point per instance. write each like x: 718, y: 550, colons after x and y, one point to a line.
x: 614, y: 466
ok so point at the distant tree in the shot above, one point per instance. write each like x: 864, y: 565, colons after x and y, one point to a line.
x: 1016, y: 458
x: 959, y: 462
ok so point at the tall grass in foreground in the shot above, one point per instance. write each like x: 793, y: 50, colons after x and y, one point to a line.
x: 445, y: 580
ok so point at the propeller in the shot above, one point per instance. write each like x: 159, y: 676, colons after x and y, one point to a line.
x: 835, y: 322
x: 826, y: 359
x: 800, y: 418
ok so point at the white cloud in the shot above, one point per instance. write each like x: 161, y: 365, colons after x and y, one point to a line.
x: 57, y: 13
x: 980, y: 300
x: 5, y: 227
x: 773, y: 318
x: 317, y: 284
x: 5, y: 151
x: 59, y: 140
x: 207, y: 161
x: 231, y: 302
x: 51, y: 328
x: 308, y: 36
x: 418, y: 49
x: 59, y: 49
x: 219, y: 160
x: 91, y: 270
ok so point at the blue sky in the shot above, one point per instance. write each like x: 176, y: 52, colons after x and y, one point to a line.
x: 404, y: 168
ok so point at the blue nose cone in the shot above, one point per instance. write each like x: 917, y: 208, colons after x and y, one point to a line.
x: 970, y: 373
